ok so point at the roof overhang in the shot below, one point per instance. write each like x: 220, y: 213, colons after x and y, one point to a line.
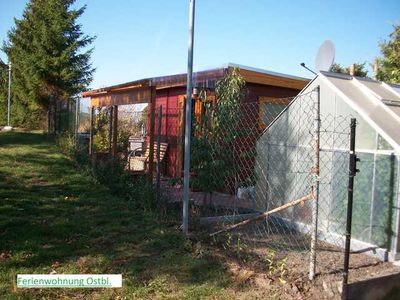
x: 134, y: 95
x: 202, y: 79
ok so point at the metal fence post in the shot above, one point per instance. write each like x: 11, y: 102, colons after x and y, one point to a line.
x: 114, y: 139
x: 77, y: 110
x: 91, y: 132
x: 188, y: 122
x: 110, y: 132
x: 151, y: 133
x: 316, y: 138
x: 158, y: 182
x: 68, y: 121
x: 352, y: 173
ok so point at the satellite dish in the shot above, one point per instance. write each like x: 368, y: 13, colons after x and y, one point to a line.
x: 325, y: 56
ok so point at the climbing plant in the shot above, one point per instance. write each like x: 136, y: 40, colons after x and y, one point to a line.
x: 212, y: 143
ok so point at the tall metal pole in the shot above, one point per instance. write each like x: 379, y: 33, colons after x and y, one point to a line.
x: 9, y: 94
x: 315, y: 203
x: 188, y: 119
x: 352, y: 173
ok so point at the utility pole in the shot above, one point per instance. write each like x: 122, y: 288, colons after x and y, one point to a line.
x: 188, y: 121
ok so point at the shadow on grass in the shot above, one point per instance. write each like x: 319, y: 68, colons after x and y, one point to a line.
x: 17, y: 139
x: 54, y: 217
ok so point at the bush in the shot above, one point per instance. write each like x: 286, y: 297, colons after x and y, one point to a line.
x: 68, y: 145
x: 112, y: 174
x: 125, y: 130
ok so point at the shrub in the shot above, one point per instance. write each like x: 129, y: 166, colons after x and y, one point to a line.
x: 125, y: 129
x: 138, y: 190
x: 67, y: 144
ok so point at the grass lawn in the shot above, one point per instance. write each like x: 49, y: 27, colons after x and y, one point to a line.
x: 56, y: 218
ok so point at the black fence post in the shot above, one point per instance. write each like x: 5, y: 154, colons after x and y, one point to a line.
x: 352, y: 173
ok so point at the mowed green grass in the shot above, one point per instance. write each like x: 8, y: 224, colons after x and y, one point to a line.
x: 54, y: 217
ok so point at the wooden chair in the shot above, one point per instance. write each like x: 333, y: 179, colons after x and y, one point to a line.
x: 139, y: 163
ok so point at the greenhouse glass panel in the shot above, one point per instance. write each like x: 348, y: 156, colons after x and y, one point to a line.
x: 383, y: 144
x: 362, y: 197
x: 384, y: 200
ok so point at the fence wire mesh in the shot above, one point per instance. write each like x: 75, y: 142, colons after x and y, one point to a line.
x: 247, y: 159
x: 257, y: 157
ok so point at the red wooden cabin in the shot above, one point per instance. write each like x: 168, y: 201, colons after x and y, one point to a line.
x: 264, y: 87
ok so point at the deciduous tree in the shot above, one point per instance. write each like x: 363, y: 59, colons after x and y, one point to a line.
x: 389, y: 63
x: 359, y: 69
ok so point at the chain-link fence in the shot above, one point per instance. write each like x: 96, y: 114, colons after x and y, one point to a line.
x: 133, y: 138
x: 253, y: 158
x: 71, y: 116
x: 269, y: 175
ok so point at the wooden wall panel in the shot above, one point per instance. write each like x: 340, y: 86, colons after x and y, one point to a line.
x: 140, y: 95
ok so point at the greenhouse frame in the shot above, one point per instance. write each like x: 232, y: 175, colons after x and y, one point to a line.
x: 376, y: 215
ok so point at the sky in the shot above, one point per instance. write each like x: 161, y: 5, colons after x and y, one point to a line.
x: 138, y: 39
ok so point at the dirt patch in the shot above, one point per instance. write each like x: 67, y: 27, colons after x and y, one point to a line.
x: 294, y: 282
x: 279, y: 261
x: 5, y: 255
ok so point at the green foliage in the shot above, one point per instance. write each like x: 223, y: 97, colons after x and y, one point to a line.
x: 125, y: 130
x: 48, y: 62
x: 72, y: 148
x: 110, y: 173
x: 212, y: 151
x: 3, y: 92
x: 101, y: 137
x: 56, y: 218
x: 359, y: 69
x: 276, y: 267
x: 137, y: 190
x: 231, y: 92
x: 389, y: 64
x: 67, y: 144
x: 336, y: 68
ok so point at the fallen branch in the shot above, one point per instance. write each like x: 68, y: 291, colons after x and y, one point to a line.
x: 265, y: 214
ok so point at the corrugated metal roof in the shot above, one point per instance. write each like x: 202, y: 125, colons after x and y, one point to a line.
x: 377, y: 102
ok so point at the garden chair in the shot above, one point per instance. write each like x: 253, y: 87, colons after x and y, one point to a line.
x: 138, y: 162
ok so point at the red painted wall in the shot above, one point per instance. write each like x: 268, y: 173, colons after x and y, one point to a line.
x: 168, y: 98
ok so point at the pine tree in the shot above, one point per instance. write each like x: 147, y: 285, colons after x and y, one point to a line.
x: 50, y: 60
x: 3, y: 92
x: 389, y: 64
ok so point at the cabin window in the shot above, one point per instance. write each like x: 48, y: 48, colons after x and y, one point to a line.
x: 269, y: 109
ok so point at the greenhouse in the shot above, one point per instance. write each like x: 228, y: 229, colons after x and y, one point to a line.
x: 285, y: 154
